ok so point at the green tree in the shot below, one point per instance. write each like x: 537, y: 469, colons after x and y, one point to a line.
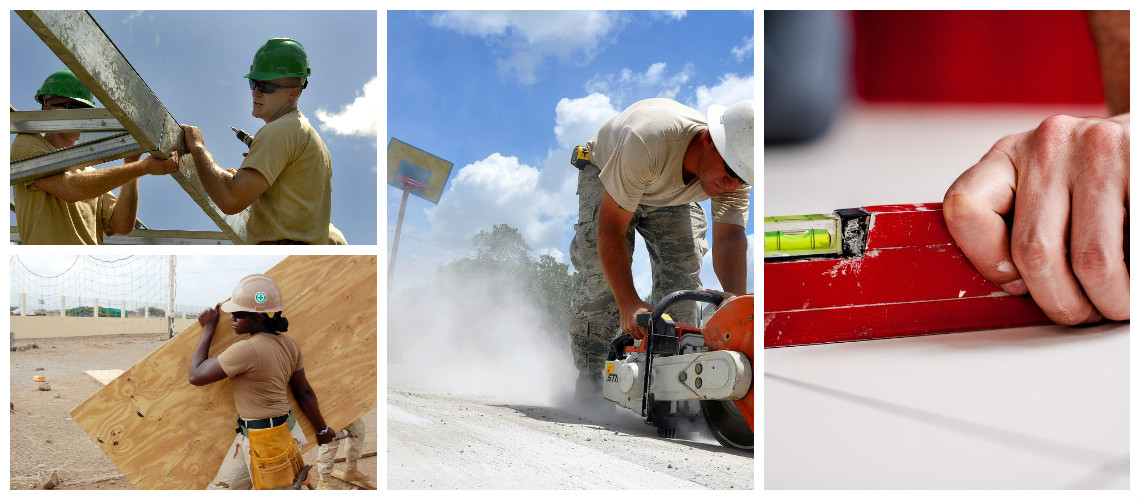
x: 503, y: 255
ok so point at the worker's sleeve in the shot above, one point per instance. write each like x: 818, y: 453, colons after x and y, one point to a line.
x: 238, y: 358
x: 106, y: 210
x: 300, y: 364
x: 274, y: 148
x: 26, y: 145
x: 732, y: 208
x: 628, y: 171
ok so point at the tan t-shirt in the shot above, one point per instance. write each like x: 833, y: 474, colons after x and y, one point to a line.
x: 260, y: 368
x: 298, y: 204
x: 640, y: 153
x: 44, y: 219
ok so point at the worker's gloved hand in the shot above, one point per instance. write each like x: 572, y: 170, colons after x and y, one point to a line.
x: 1066, y: 183
x: 158, y: 166
x: 192, y: 138
x: 629, y: 318
x: 209, y: 317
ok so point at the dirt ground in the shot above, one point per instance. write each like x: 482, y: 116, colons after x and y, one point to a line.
x: 453, y: 441
x: 44, y: 439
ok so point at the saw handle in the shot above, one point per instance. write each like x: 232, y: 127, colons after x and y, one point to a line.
x: 678, y: 296
x: 618, y: 345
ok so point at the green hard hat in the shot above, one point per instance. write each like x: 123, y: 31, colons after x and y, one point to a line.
x: 63, y: 83
x: 279, y: 58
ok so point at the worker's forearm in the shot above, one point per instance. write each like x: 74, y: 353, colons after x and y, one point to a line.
x: 81, y: 185
x: 126, y: 208
x: 215, y: 180
x: 730, y: 258
x: 203, y: 350
x: 732, y: 269
x: 1110, y: 33
x: 312, y: 411
x: 615, y: 261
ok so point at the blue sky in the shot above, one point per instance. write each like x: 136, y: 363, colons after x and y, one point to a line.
x: 194, y: 62
x: 505, y: 96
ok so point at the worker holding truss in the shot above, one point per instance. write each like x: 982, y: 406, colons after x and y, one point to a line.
x: 76, y: 206
x: 286, y: 180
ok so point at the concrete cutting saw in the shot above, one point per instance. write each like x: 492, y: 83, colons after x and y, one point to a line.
x: 680, y: 374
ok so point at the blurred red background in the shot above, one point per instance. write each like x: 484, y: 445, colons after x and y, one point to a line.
x: 975, y: 57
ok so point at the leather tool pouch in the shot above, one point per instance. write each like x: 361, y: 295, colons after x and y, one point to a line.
x: 274, y: 458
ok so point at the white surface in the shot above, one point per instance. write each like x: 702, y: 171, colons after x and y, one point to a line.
x: 1030, y: 408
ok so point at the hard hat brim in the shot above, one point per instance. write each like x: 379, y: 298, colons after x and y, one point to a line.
x: 231, y: 306
x: 715, y: 118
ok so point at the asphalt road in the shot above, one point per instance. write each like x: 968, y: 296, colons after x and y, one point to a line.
x: 438, y: 440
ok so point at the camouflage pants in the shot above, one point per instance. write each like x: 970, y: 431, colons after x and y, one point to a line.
x: 352, y: 447
x: 675, y: 239
x: 234, y: 472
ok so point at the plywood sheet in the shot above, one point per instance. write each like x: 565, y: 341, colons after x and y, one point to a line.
x: 104, y: 376
x: 164, y: 433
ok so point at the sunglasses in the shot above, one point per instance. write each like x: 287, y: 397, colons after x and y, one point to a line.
x: 70, y: 105
x: 733, y: 174
x: 267, y: 87
x: 244, y: 314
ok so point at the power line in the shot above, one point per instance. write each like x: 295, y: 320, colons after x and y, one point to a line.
x: 406, y: 235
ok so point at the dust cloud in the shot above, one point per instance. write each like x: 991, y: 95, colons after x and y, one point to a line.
x: 484, y: 338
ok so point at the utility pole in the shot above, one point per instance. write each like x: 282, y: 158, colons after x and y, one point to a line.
x: 170, y: 263
x: 413, y: 171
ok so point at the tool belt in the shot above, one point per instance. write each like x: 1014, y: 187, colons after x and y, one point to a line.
x: 274, y: 459
x: 260, y: 423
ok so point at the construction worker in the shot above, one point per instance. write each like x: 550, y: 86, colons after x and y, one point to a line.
x: 326, y: 456
x: 76, y: 207
x: 286, y: 179
x: 261, y: 368
x: 649, y: 167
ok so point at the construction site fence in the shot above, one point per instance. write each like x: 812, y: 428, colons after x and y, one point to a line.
x: 23, y: 304
x: 42, y: 327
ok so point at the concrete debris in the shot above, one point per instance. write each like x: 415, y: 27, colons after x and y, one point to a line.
x: 40, y: 369
x: 24, y: 347
x: 52, y: 481
x: 56, y: 395
x: 44, y: 386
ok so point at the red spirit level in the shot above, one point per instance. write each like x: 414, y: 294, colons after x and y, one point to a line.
x: 876, y: 272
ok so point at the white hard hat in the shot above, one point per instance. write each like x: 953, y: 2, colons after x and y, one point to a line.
x: 255, y: 293
x: 732, y: 133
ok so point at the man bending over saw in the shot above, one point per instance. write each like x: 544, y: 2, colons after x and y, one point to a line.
x: 646, y: 170
x: 1066, y: 183
x: 286, y: 181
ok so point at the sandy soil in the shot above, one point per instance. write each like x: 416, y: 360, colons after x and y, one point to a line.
x: 438, y: 440
x: 44, y: 439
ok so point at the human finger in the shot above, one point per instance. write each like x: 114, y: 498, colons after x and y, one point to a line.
x: 1039, y: 241
x: 1099, y: 213
x: 974, y: 207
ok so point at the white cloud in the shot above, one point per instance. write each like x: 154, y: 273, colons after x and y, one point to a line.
x: 357, y: 118
x: 577, y: 120
x: 527, y: 38
x: 670, y: 15
x: 731, y: 90
x: 132, y: 16
x: 744, y: 50
x: 628, y: 85
x: 501, y: 190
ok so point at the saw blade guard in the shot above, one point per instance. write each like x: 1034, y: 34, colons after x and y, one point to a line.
x: 731, y: 328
